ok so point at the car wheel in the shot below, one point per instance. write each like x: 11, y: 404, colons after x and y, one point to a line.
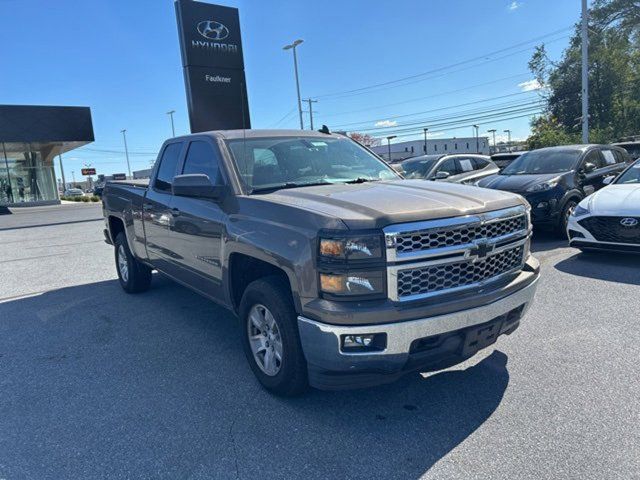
x: 134, y: 276
x: 564, y: 217
x: 270, y: 337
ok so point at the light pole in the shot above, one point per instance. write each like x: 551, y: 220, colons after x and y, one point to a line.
x: 477, y: 140
x: 508, y: 132
x: 389, y: 138
x: 311, y: 110
x: 493, y: 131
x: 64, y: 181
x: 173, y: 129
x: 126, y: 150
x: 425, y: 139
x: 585, y: 72
x: 295, y: 66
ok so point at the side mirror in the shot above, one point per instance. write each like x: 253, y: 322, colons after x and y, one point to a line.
x: 195, y: 185
x: 608, y: 180
x: 442, y: 175
x: 588, y: 167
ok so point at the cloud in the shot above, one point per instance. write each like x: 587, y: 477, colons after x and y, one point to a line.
x: 513, y: 6
x: 530, y: 85
x: 386, y: 123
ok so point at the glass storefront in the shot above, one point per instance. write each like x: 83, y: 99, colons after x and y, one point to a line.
x: 27, y: 174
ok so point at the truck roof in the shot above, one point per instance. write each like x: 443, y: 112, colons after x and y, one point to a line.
x: 263, y: 133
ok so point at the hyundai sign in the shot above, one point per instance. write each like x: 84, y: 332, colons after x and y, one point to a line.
x: 213, y: 66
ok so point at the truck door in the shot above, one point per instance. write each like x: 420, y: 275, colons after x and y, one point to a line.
x: 157, y: 210
x: 197, y: 229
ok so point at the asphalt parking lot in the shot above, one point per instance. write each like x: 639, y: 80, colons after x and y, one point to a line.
x: 95, y: 383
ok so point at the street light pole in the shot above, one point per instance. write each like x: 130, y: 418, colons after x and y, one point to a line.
x: 425, y: 139
x: 508, y: 132
x: 126, y: 150
x: 310, y: 101
x: 173, y: 129
x: 493, y: 130
x: 295, y: 66
x: 585, y: 72
x: 477, y: 139
x: 389, y: 145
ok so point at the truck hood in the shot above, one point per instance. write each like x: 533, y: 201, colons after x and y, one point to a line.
x: 382, y: 203
x: 516, y: 183
x: 615, y: 200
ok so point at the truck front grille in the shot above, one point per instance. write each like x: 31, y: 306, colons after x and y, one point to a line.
x: 436, y: 278
x: 437, y: 238
x: 609, y: 229
x: 437, y: 257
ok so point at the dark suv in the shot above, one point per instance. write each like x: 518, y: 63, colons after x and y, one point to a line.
x: 555, y: 179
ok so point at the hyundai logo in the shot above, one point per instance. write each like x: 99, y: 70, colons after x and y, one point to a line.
x: 213, y: 30
x: 629, y: 222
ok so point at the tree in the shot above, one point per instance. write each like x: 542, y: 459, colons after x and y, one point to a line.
x: 365, y: 139
x: 614, y: 78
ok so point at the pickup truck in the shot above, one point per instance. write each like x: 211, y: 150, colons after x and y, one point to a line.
x: 342, y: 273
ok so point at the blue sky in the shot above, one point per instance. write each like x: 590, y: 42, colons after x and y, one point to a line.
x: 122, y: 58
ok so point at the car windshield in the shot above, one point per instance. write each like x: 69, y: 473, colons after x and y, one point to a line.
x: 284, y: 162
x: 543, y: 161
x: 418, y: 168
x: 632, y: 175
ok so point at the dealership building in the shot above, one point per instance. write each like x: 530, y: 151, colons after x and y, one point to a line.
x: 30, y: 139
x: 441, y: 146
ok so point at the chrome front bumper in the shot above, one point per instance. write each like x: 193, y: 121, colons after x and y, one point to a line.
x: 321, y: 342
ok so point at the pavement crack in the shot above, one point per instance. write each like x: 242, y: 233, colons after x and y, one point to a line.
x: 235, y: 449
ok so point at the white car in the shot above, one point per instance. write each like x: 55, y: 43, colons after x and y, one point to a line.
x: 610, y: 218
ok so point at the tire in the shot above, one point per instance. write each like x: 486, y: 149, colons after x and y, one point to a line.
x: 134, y: 277
x: 564, y: 217
x: 279, y: 334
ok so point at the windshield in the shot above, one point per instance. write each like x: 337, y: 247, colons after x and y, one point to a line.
x: 418, y: 168
x: 632, y: 175
x: 543, y: 161
x: 280, y: 162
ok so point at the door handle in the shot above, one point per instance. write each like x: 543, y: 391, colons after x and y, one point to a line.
x: 175, y: 212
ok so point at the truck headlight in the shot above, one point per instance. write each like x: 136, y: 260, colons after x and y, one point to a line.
x: 351, y: 248
x: 353, y: 284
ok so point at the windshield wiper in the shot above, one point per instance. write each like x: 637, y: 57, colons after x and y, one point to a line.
x: 361, y: 180
x: 289, y: 185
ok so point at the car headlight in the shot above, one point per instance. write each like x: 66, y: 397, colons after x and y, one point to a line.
x: 351, y: 248
x: 542, y: 187
x: 353, y: 283
x: 580, y: 211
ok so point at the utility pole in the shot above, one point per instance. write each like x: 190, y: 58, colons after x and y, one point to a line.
x: 173, y: 129
x: 477, y: 139
x: 508, y: 132
x: 295, y: 66
x: 311, y: 110
x: 493, y: 130
x: 64, y: 181
x: 389, y: 145
x: 425, y: 139
x: 585, y: 72
x: 126, y: 150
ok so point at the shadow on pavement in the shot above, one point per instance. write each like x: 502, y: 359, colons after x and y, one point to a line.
x: 609, y: 266
x: 543, y: 240
x: 97, y: 383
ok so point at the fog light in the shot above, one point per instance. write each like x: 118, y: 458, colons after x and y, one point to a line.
x: 364, y: 343
x: 543, y: 205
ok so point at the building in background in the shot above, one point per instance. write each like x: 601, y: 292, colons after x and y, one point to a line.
x: 440, y: 146
x: 30, y: 139
x: 140, y: 174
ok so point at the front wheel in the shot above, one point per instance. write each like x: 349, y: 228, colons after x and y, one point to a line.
x: 564, y: 217
x: 134, y: 276
x: 270, y: 337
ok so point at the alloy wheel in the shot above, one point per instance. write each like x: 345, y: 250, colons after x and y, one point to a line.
x: 265, y: 339
x: 123, y: 266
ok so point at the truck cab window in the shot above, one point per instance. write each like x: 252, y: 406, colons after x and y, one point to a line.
x: 201, y: 158
x: 168, y: 166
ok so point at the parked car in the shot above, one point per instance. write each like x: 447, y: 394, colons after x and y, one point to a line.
x: 458, y: 168
x: 97, y: 191
x: 502, y: 160
x: 632, y: 148
x: 555, y: 179
x: 610, y: 218
x: 73, y: 192
x: 342, y: 273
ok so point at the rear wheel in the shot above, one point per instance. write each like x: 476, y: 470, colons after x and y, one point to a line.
x: 270, y: 337
x: 134, y: 276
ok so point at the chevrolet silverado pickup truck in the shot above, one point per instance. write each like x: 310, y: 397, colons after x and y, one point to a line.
x: 342, y: 273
